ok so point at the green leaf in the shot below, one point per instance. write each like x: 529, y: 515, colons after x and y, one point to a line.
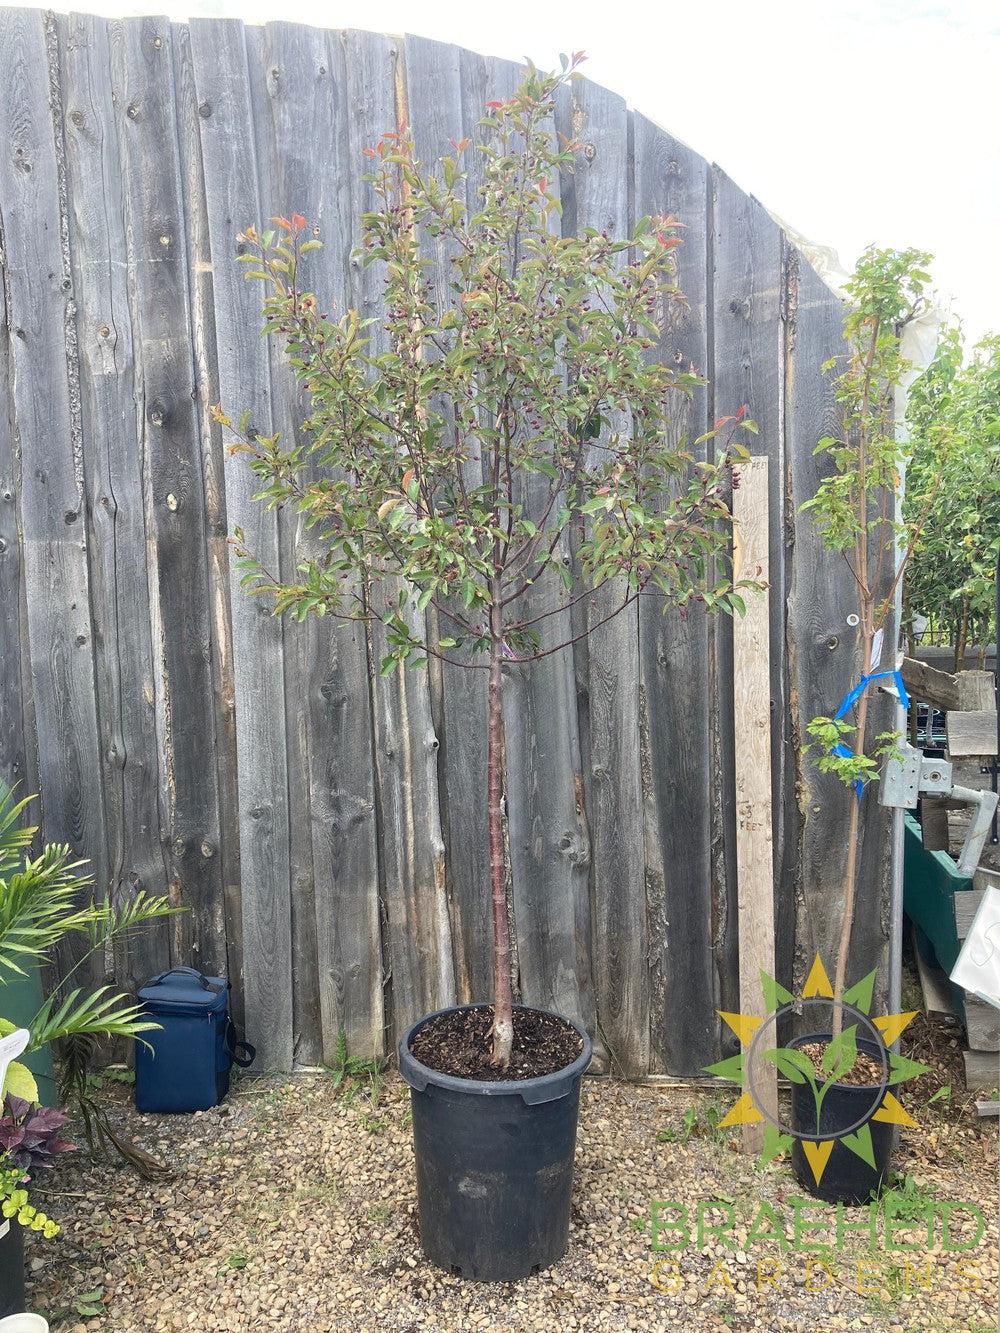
x: 792, y: 1064
x: 861, y: 993
x: 860, y: 1143
x: 775, y: 995
x: 732, y: 1069
x: 841, y: 1054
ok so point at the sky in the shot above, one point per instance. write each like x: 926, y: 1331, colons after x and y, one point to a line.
x: 867, y: 122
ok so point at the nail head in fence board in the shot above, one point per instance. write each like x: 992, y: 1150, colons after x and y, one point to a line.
x: 41, y: 320
x: 670, y: 179
x: 336, y: 933
x: 406, y: 745
x: 220, y: 67
x: 752, y: 714
x: 972, y: 734
x: 171, y: 462
x: 114, y: 471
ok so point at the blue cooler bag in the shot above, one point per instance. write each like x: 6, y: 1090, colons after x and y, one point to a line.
x: 185, y: 1066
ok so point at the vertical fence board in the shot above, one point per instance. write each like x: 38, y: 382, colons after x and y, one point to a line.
x: 748, y: 349
x: 15, y: 681
x: 170, y: 444
x: 754, y: 821
x: 41, y: 327
x: 336, y: 917
x: 406, y: 743
x: 203, y: 349
x: 601, y: 190
x: 115, y: 470
x: 671, y: 180
x: 227, y: 138
x: 545, y: 803
x: 434, y: 77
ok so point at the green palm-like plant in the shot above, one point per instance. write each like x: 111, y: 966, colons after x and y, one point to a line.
x: 43, y: 900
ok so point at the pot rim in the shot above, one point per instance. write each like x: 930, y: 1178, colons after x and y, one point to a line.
x: 863, y: 1042
x: 533, y: 1091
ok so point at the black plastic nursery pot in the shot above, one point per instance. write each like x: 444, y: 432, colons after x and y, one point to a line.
x: 846, y: 1178
x: 494, y: 1164
x: 11, y: 1267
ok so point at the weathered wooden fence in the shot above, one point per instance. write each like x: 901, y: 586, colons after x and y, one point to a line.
x: 325, y: 827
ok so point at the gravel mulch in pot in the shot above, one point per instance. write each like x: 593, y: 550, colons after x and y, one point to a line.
x: 292, y: 1210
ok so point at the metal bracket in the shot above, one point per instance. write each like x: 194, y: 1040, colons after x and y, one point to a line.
x: 909, y: 775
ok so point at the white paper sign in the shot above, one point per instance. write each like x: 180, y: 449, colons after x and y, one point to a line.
x: 978, y: 967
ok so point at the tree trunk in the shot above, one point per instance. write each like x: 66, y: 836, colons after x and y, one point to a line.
x: 503, y: 1019
x: 853, y: 855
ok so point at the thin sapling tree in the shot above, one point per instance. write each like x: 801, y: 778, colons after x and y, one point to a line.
x: 856, y: 511
x: 449, y: 451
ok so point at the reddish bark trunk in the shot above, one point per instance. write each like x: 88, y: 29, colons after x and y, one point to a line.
x: 503, y: 1022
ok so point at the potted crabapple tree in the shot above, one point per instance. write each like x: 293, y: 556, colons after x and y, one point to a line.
x: 839, y: 1077
x: 452, y: 453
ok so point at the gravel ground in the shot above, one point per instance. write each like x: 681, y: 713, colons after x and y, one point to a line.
x: 292, y: 1209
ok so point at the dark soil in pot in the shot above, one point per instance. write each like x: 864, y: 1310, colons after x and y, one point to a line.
x: 460, y: 1042
x: 847, y: 1106
x: 494, y: 1153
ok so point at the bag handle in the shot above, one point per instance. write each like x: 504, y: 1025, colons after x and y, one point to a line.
x: 185, y: 971
x: 234, y: 1047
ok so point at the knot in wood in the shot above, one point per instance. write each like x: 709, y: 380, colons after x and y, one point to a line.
x: 132, y: 111
x: 205, y: 110
x: 589, y: 152
x: 207, y: 850
x: 172, y: 503
x: 78, y: 119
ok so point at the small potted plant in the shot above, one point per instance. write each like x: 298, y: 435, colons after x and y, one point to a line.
x: 451, y: 460
x: 840, y: 1076
x: 29, y: 1142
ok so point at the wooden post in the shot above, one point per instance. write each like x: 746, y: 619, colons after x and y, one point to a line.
x: 752, y: 719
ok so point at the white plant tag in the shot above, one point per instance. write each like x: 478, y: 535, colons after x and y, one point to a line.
x: 877, y: 647
x: 11, y: 1047
x: 978, y: 967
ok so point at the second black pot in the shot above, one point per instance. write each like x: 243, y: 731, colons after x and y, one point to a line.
x: 11, y: 1267
x: 494, y: 1165
x: 846, y: 1177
